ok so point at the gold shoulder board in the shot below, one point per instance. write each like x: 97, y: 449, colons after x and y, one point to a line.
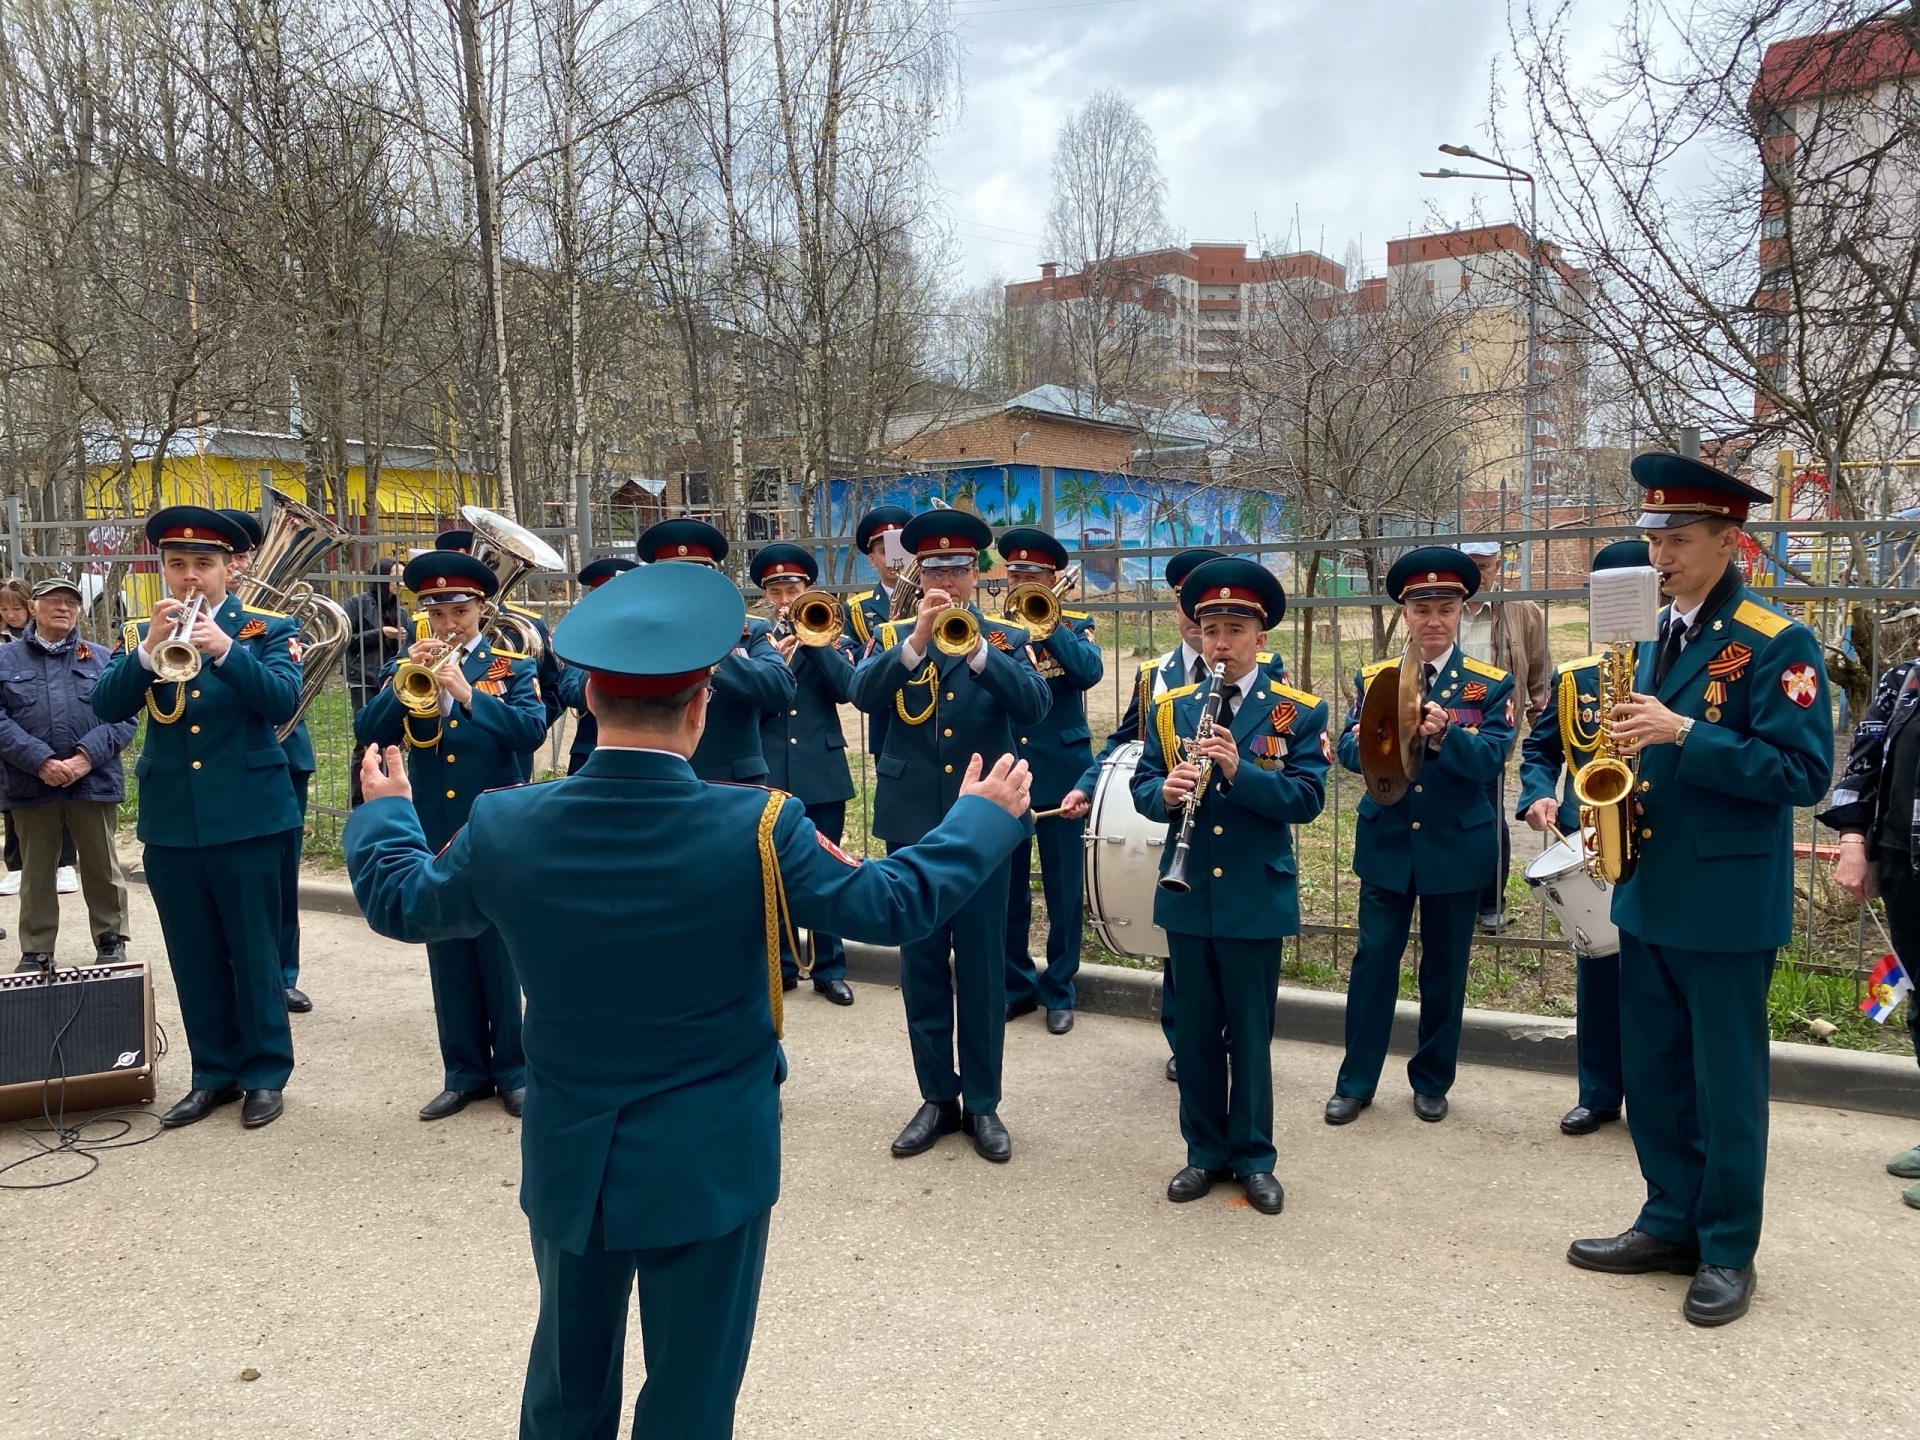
x: 259, y: 610
x: 1167, y: 697
x: 1367, y: 672
x: 506, y: 654
x: 1758, y: 617
x: 1287, y: 692
x: 1480, y: 667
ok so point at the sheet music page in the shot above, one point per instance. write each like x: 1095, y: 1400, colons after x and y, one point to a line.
x: 1623, y: 605
x: 895, y: 552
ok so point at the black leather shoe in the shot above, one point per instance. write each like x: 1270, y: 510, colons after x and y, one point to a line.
x: 1173, y: 1069
x: 109, y: 949
x: 452, y: 1102
x: 1719, y: 1295
x: 34, y: 962
x: 1582, y: 1121
x: 838, y: 991
x: 297, y: 1001
x: 1430, y: 1108
x: 789, y: 983
x: 1633, y: 1253
x: 514, y: 1101
x: 929, y: 1123
x: 1193, y: 1182
x: 1059, y: 1022
x: 261, y: 1107
x: 1345, y: 1109
x: 1264, y: 1192
x: 990, y: 1137
x: 1022, y: 1007
x: 197, y: 1105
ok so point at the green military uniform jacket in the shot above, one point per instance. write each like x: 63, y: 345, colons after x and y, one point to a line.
x: 1241, y: 865
x: 211, y: 771
x: 1058, y: 746
x: 752, y: 683
x: 1715, y: 825
x: 1155, y: 678
x: 1562, y: 738
x: 1442, y: 838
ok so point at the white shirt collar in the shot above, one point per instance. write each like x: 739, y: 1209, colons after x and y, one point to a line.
x: 1446, y: 658
x: 1187, y: 656
x: 642, y: 750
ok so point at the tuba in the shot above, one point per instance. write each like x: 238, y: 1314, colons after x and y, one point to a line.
x: 297, y: 539
x: 512, y: 552
x: 1037, y: 607
x: 1604, y: 785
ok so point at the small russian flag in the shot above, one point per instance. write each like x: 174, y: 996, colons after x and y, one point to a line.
x: 1888, y: 982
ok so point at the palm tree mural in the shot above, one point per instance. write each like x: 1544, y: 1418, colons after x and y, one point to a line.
x: 1257, y: 507
x: 1081, y: 495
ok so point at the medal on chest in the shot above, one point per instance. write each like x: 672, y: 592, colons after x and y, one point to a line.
x: 1729, y: 665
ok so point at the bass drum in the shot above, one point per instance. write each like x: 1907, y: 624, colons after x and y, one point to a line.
x: 1123, y: 862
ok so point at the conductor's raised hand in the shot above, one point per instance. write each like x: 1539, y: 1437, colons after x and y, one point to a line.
x: 1009, y: 784
x: 378, y: 782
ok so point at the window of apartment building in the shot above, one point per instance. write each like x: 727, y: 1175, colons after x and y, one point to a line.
x: 1466, y: 346
x: 1913, y: 419
x: 1465, y: 372
x: 1775, y: 277
x: 1780, y: 122
x: 1774, y: 227
x: 699, y: 493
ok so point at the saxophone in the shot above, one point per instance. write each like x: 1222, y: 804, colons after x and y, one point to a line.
x: 1604, y: 785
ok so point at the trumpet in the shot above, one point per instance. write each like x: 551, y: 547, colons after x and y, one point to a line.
x: 416, y: 683
x: 955, y: 631
x: 1036, y: 606
x: 814, y: 616
x: 175, y: 657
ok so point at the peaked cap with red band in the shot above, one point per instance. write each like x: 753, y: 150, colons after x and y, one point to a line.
x: 1234, y: 586
x: 1682, y: 490
x: 876, y: 522
x: 782, y: 561
x: 195, y: 527
x: 682, y: 540
x: 660, y: 630
x: 444, y: 577
x: 938, y: 534
x: 1433, y: 572
x: 596, y: 573
x: 1026, y: 545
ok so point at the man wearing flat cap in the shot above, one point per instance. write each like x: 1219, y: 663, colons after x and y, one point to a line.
x: 486, y: 715
x: 1434, y: 850
x: 216, y: 808
x: 1268, y: 755
x: 651, y: 1145
x: 1731, y: 728
x: 1182, y: 665
x: 946, y: 706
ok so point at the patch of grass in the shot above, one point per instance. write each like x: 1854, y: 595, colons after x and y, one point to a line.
x: 1800, y: 996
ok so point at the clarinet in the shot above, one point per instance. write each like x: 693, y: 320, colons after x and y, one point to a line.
x: 1176, y: 877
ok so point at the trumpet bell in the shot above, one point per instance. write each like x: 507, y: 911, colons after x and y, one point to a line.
x: 1035, y: 607
x: 955, y: 631
x: 175, y: 660
x: 417, y: 688
x: 815, y: 618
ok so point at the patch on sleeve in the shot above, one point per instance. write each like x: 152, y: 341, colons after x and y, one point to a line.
x: 296, y: 649
x: 1326, y: 748
x: 836, y: 852
x: 1509, y: 709
x: 252, y: 630
x: 1802, y: 684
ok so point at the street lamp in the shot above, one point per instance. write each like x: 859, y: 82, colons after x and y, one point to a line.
x: 1511, y: 173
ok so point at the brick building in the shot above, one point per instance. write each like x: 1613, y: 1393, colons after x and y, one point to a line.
x: 1053, y: 426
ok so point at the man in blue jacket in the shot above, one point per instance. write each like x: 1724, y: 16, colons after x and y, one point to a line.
x: 1434, y: 850
x: 1058, y: 746
x: 216, y: 807
x: 946, y: 707
x: 1268, y: 757
x: 1563, y: 739
x: 804, y: 744
x: 651, y: 1147
x: 62, y: 771
x: 1732, y: 722
x: 486, y: 717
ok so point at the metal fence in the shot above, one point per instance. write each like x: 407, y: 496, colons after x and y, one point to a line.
x: 1325, y: 638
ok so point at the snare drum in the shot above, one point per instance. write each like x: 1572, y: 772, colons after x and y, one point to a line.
x: 1123, y: 862
x: 1582, y: 904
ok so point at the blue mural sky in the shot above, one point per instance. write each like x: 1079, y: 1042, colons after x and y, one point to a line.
x: 1103, y: 516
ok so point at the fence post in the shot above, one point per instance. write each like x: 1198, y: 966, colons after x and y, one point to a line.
x: 15, y: 550
x: 583, y: 514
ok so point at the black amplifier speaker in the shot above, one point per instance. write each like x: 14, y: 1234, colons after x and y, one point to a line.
x: 103, y: 1016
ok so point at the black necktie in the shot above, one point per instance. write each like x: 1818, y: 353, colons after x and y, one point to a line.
x: 1669, y: 649
x: 1199, y: 674
x: 1432, y: 675
x: 1225, y: 722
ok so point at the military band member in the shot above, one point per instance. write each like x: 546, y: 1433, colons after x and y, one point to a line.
x: 1435, y: 850
x: 300, y: 767
x: 1562, y: 740
x: 1057, y: 747
x: 1269, y: 755
x: 805, y: 746
x: 488, y: 716
x: 945, y: 708
x: 572, y: 684
x: 1732, y: 723
x: 546, y: 667
x: 651, y: 1147
x: 752, y: 683
x: 216, y: 811
x: 1181, y: 665
x: 868, y: 610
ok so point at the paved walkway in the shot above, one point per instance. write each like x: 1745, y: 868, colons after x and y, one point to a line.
x: 374, y: 1270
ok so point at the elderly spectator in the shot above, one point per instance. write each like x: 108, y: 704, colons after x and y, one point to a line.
x: 1513, y: 635
x: 61, y: 767
x: 16, y: 619
x: 1875, y: 810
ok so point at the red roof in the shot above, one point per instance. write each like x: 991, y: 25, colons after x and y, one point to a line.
x: 1838, y: 61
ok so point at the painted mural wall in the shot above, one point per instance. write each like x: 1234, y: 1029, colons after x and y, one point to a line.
x: 1107, y: 518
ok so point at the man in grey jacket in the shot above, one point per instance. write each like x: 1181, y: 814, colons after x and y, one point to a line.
x: 61, y: 767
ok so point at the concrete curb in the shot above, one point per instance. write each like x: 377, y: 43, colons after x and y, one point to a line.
x: 1801, y: 1074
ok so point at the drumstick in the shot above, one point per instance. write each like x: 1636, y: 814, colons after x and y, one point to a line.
x: 1048, y: 814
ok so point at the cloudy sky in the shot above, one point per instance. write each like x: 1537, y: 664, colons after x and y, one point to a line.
x: 1303, y: 121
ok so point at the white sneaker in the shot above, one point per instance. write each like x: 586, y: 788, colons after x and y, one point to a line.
x: 10, y: 883
x: 67, y: 881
